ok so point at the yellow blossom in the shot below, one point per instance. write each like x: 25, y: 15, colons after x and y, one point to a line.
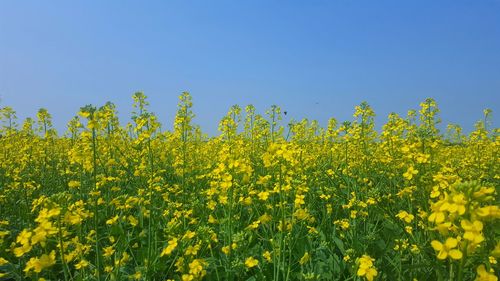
x: 39, y: 264
x: 305, y: 258
x: 267, y: 256
x: 473, y: 231
x: 263, y: 195
x: 447, y: 249
x: 405, y: 216
x: 112, y: 220
x: 483, y: 275
x: 251, y: 262
x: 108, y: 251
x: 81, y: 264
x: 366, y: 268
x: 410, y: 172
x: 172, y: 244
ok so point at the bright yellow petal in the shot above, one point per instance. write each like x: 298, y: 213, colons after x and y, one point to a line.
x: 444, y: 207
x: 442, y: 255
x: 439, y: 217
x: 481, y: 270
x: 437, y: 245
x: 478, y: 225
x: 372, y: 272
x: 466, y: 225
x: 361, y: 272
x: 469, y: 236
x: 451, y: 243
x: 455, y: 254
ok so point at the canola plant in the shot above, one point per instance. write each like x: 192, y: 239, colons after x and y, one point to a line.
x: 262, y: 200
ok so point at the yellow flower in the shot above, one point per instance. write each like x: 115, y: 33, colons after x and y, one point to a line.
x: 196, y: 267
x: 45, y: 214
x: 455, y: 205
x: 299, y: 200
x: 188, y: 235
x: 263, y: 195
x: 263, y: 179
x: 436, y: 217
x: 72, y: 218
x: 301, y: 214
x: 405, y: 216
x: 247, y: 201
x: 84, y: 114
x: 344, y: 223
x: 73, y: 184
x: 251, y: 262
x: 254, y: 224
x: 366, y: 268
x: 108, y: 251
x: 312, y: 230
x: 489, y: 212
x: 192, y: 250
x: 305, y: 258
x: 409, y: 229
x: 24, y: 237
x: 172, y: 244
x: 447, y: 249
x: 483, y: 192
x: 108, y: 269
x: 81, y: 264
x: 265, y: 218
x: 211, y: 219
x: 414, y: 249
x: 4, y: 233
x: 39, y: 264
x: 125, y: 258
x: 137, y: 275
x: 435, y: 192
x: 133, y: 221
x: 473, y: 231
x: 112, y: 220
x: 20, y: 251
x: 492, y: 260
x: 44, y: 229
x: 410, y: 172
x: 483, y: 275
x: 267, y: 256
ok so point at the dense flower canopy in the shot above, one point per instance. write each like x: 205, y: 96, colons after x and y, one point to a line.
x: 261, y: 201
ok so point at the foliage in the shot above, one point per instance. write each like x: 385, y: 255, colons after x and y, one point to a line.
x: 261, y: 201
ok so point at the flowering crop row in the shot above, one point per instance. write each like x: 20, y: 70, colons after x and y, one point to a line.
x: 261, y: 201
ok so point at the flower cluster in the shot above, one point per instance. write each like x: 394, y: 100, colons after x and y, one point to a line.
x: 269, y: 198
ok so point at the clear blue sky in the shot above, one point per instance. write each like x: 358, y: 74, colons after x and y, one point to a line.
x: 315, y: 59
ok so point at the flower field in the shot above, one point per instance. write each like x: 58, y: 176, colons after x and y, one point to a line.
x: 263, y: 200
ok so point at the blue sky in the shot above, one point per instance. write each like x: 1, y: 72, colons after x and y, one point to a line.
x: 316, y: 59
